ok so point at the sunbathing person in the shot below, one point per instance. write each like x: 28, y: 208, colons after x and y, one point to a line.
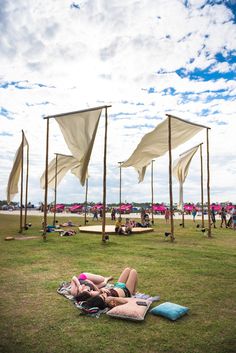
x: 145, y: 224
x: 124, y: 287
x: 88, y: 282
x: 68, y: 233
x: 68, y: 224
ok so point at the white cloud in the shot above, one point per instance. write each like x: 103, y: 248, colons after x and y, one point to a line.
x: 113, y: 52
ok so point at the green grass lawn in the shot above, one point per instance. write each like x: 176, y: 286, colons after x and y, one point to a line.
x: 194, y: 271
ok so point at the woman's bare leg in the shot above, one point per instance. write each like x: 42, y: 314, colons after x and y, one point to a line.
x: 132, y: 281
x: 76, y: 281
x: 74, y: 288
x: 124, y: 275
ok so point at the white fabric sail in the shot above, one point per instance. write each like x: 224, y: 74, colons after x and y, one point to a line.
x: 79, y: 131
x: 155, y: 143
x: 181, y: 168
x: 62, y: 164
x: 77, y: 172
x: 12, y: 186
x: 142, y: 172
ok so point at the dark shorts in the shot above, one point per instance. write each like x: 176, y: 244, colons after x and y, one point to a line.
x: 127, y: 292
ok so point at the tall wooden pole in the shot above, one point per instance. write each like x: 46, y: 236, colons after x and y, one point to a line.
x: 86, y: 202
x: 104, y: 181
x: 182, y: 186
x: 46, y: 185
x: 22, y: 179
x: 55, y: 193
x: 120, y: 190
x: 202, y: 200
x: 26, y: 185
x: 170, y: 182
x: 183, y: 217
x: 152, y: 193
x: 208, y: 185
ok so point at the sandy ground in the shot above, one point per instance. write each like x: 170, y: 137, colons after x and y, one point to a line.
x: 108, y: 215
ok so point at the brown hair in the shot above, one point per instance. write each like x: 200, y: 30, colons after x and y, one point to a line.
x: 96, y: 301
x: 81, y: 297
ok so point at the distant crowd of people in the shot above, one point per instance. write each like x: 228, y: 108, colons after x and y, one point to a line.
x: 228, y: 219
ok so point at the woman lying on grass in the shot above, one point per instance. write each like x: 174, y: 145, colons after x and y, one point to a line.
x: 88, y: 282
x: 124, y: 287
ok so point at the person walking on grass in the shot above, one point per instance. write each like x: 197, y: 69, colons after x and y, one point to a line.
x: 223, y: 214
x: 233, y: 218
x: 194, y: 213
x: 95, y: 215
x: 113, y: 214
x: 167, y: 215
x: 213, y: 217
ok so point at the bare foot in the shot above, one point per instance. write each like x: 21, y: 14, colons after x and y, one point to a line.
x: 107, y: 279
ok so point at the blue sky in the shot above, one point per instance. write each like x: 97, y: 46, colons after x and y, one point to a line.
x: 146, y: 58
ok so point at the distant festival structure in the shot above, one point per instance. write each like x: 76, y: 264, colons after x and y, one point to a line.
x: 168, y: 135
x: 79, y: 129
x: 17, y: 173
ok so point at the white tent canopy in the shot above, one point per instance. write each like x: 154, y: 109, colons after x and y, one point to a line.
x: 181, y: 168
x: 155, y: 143
x: 79, y: 131
x: 58, y: 168
x: 12, y: 186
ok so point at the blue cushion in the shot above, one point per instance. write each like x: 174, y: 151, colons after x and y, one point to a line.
x: 170, y: 310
